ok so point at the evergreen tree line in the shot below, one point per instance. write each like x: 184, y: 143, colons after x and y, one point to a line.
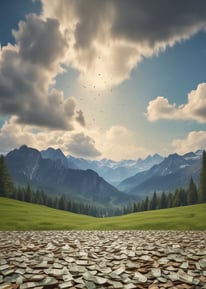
x: 27, y: 194
x: 181, y: 197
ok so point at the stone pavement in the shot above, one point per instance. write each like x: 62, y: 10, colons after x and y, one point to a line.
x: 103, y: 259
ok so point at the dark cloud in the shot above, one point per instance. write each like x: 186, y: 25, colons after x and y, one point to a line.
x: 83, y: 146
x: 27, y: 72
x: 155, y: 21
x: 114, y: 35
x: 40, y: 42
x: 146, y: 22
x: 80, y: 117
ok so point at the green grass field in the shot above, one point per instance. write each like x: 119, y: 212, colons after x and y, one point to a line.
x: 16, y: 215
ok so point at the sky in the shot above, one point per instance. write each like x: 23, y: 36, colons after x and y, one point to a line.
x: 109, y: 79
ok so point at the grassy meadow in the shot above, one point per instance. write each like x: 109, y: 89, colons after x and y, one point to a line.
x: 16, y: 215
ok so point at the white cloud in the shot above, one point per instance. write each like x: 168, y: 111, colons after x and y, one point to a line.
x: 13, y: 134
x: 195, y: 140
x: 119, y: 143
x: 115, y: 143
x: 194, y: 109
x: 160, y: 108
x: 196, y: 106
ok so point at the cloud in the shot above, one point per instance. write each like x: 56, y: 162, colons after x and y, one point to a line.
x: 107, y: 39
x: 194, y: 109
x: 13, y: 134
x: 118, y: 143
x: 194, y: 141
x: 40, y: 42
x: 196, y: 106
x: 160, y: 108
x: 104, y: 41
x: 83, y: 146
x: 115, y: 143
x: 27, y: 76
x: 80, y: 117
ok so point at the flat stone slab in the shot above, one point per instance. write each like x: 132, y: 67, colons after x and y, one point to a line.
x: 103, y: 259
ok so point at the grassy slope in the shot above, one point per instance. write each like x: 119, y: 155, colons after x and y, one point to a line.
x: 15, y: 215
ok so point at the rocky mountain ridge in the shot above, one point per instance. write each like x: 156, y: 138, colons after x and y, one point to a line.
x: 83, y: 179
x: 116, y: 171
x: 27, y: 166
x: 173, y: 172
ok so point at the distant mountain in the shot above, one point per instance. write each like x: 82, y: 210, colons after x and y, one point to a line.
x: 116, y: 171
x: 173, y: 172
x: 27, y: 166
x: 112, y: 171
x: 57, y: 154
x: 82, y: 179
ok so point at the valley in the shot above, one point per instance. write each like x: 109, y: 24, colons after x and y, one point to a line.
x: 17, y: 215
x: 101, y: 181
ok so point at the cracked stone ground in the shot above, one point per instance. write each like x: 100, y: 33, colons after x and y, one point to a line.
x: 103, y: 259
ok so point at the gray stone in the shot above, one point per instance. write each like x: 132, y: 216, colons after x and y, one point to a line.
x: 130, y: 286
x: 4, y: 267
x: 3, y: 262
x: 173, y: 276
x: 81, y: 262
x: 90, y: 285
x: 67, y: 277
x: 202, y: 263
x: 184, y: 265
x: 19, y: 280
x: 146, y: 258
x: 57, y: 266
x: 156, y: 272
x: 48, y: 281
x: 185, y: 278
x: 120, y: 270
x: 99, y: 280
x: 28, y: 285
x: 117, y: 259
x: 36, y: 278
x: 140, y: 277
x: 7, y: 272
x: 163, y: 261
x: 116, y: 284
x: 162, y: 279
x: 65, y: 285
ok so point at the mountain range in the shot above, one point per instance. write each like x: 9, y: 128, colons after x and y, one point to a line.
x: 116, y: 171
x: 48, y: 171
x: 173, y: 172
x: 103, y: 181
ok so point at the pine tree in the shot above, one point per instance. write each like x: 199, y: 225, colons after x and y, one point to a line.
x: 146, y: 203
x: 163, y: 201
x: 62, y: 203
x: 6, y: 185
x: 202, y: 180
x: 183, y: 197
x: 192, y: 196
x: 177, y: 200
x: 170, y: 198
x: 153, y: 202
x: 28, y: 194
